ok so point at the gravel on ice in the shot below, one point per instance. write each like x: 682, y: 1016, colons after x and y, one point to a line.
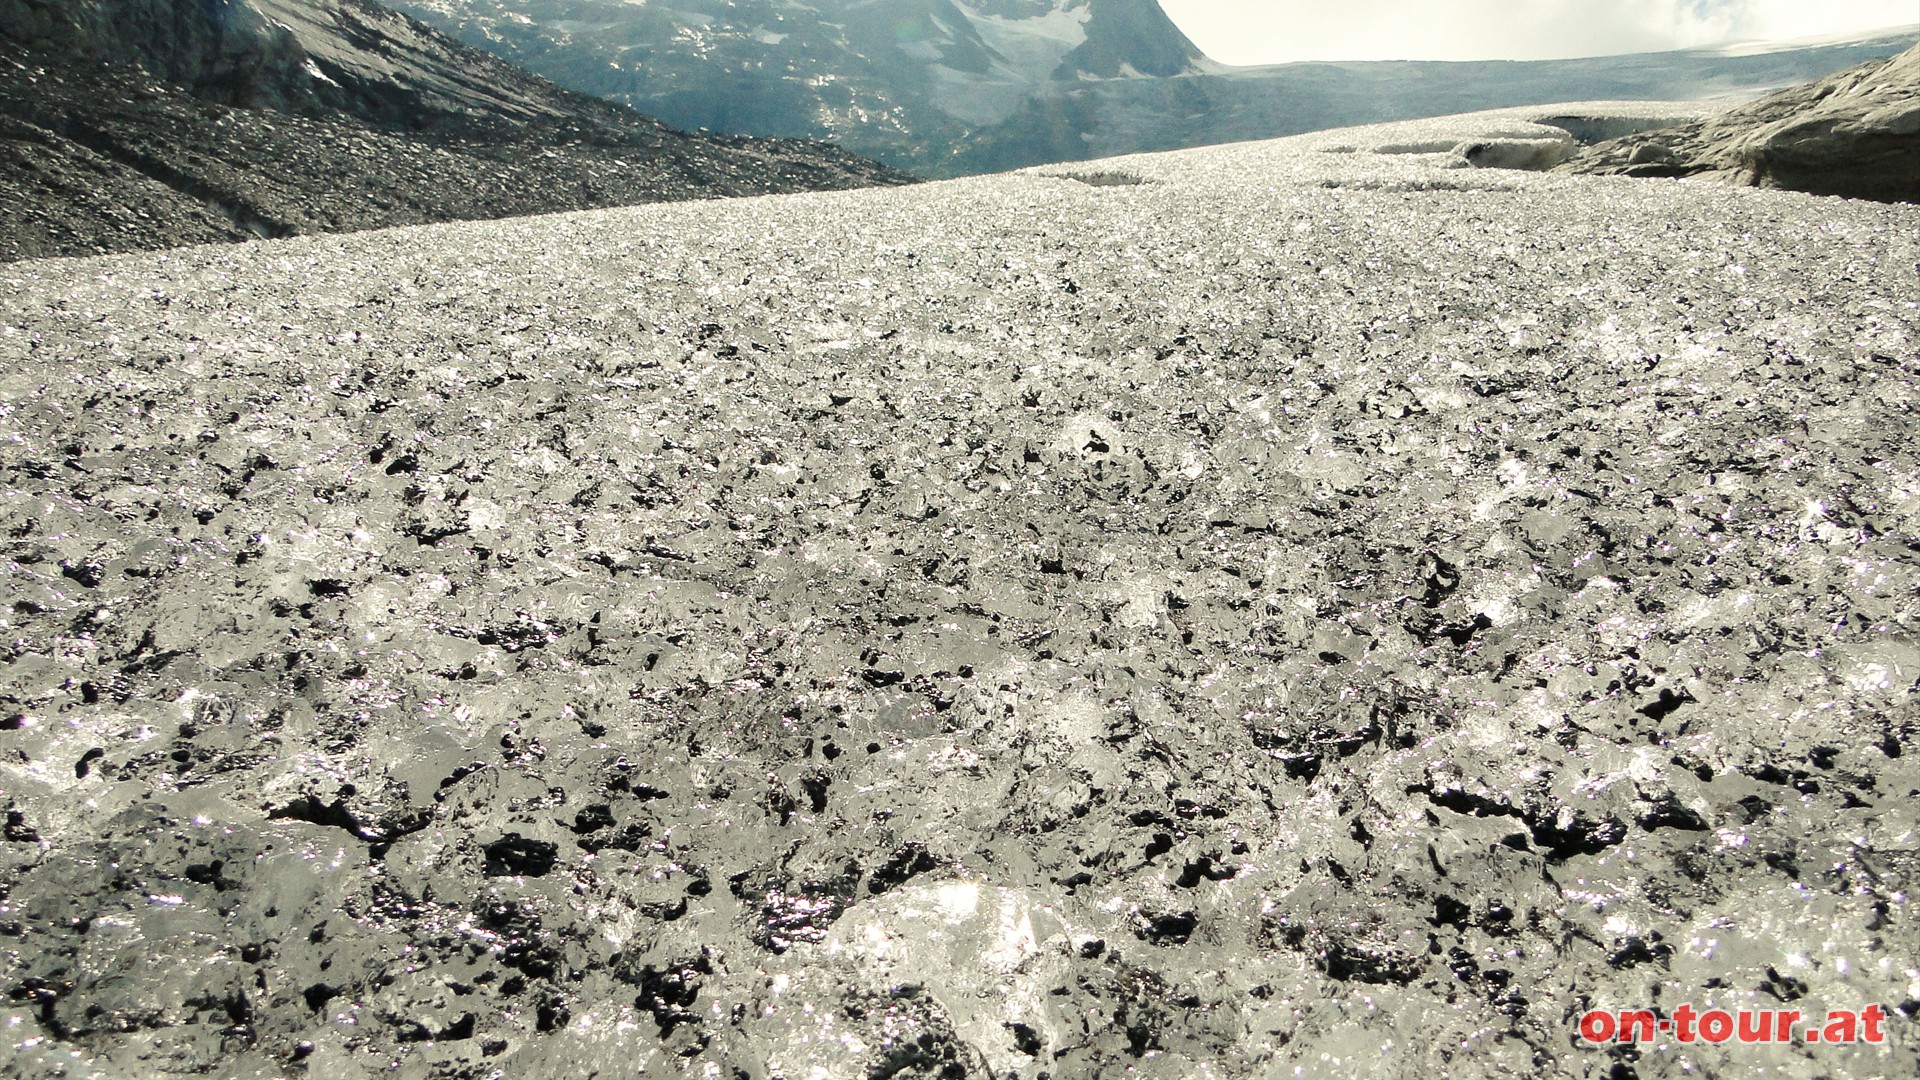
x: 1307, y: 608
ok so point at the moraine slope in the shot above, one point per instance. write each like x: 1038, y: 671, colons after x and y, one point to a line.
x: 130, y: 124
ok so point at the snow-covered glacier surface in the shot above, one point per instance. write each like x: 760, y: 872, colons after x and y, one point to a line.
x: 1291, y: 609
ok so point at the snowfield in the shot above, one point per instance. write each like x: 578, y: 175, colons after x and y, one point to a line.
x: 1283, y: 609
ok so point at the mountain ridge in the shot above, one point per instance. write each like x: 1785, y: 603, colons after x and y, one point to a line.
x: 143, y: 123
x: 1129, y: 39
x: 998, y: 84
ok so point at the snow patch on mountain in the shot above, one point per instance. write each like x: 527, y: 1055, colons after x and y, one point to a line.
x: 1063, y: 28
x: 1029, y: 49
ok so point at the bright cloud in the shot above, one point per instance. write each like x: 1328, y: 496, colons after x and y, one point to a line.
x: 1274, y: 31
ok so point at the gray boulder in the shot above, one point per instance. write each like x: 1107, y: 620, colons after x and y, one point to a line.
x: 1855, y: 133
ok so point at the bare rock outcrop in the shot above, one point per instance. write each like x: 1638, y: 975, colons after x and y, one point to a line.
x: 1856, y: 133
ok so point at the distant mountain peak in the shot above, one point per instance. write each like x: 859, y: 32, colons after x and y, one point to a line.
x: 1130, y: 38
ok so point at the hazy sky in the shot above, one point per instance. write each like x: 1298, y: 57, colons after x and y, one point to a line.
x: 1274, y: 31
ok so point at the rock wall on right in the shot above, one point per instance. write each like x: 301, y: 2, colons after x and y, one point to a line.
x: 1855, y: 133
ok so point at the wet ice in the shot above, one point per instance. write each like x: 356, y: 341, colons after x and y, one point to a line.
x: 1390, y: 606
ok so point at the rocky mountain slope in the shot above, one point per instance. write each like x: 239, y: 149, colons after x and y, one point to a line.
x: 149, y: 123
x: 948, y: 87
x: 905, y: 78
x: 1292, y: 609
x: 1856, y: 133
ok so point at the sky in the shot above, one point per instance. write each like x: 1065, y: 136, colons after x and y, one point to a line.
x: 1277, y: 31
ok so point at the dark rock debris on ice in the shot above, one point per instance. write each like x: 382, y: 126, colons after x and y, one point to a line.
x: 1305, y: 608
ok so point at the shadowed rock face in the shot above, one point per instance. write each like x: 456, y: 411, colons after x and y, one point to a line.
x: 1856, y: 134
x: 151, y: 123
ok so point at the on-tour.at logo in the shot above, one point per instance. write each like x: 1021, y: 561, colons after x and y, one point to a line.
x: 1748, y: 1026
